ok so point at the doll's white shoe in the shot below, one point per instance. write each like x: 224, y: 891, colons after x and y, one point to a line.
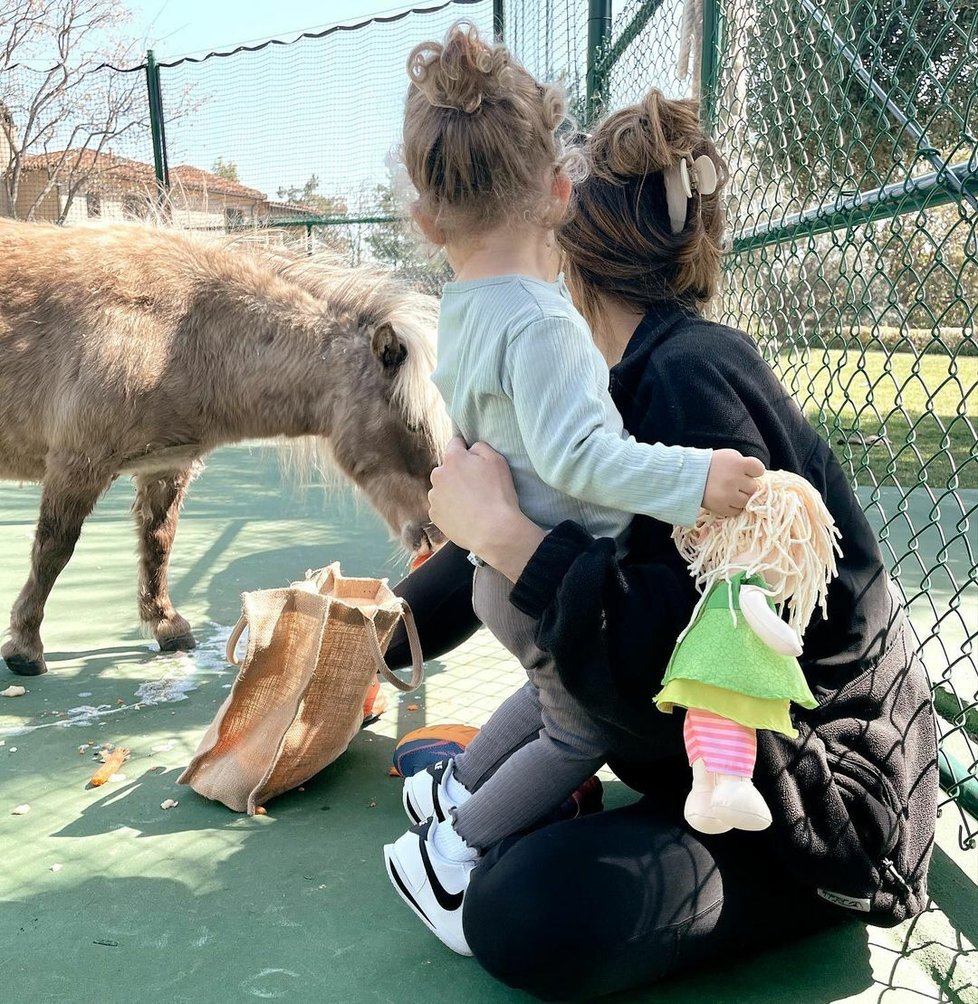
x: 739, y: 804
x: 698, y: 811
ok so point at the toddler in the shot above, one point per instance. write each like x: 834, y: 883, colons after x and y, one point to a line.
x: 519, y: 370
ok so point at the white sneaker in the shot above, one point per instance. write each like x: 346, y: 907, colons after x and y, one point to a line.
x: 432, y: 886
x: 425, y: 794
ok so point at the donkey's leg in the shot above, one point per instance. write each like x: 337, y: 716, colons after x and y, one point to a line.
x: 157, y: 508
x: 71, y: 488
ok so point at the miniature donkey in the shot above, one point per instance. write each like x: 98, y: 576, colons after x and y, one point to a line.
x: 128, y: 350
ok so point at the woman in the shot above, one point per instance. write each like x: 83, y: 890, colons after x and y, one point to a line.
x: 614, y: 900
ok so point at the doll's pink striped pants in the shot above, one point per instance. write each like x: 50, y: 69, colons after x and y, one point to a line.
x: 725, y: 747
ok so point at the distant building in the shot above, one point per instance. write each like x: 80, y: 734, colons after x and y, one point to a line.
x: 80, y: 186
x: 116, y: 188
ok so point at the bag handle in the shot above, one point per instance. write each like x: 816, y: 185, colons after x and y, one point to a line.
x: 233, y: 642
x: 239, y: 628
x: 417, y: 659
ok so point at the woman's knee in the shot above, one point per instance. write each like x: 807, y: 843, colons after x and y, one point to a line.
x: 587, y: 907
x: 513, y: 916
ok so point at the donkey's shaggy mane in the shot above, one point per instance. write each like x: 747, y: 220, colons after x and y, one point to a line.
x: 132, y: 349
x: 374, y: 297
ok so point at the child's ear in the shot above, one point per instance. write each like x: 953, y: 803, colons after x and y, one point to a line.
x: 432, y: 232
x: 562, y: 188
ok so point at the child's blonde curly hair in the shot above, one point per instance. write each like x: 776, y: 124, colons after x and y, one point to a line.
x: 480, y: 136
x: 785, y: 528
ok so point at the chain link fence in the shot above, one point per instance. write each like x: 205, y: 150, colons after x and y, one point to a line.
x: 281, y: 142
x: 850, y: 128
x: 313, y: 125
x: 854, y: 266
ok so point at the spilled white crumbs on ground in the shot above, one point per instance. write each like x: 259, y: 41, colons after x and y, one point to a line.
x: 176, y: 676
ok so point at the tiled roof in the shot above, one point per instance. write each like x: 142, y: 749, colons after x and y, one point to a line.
x: 108, y: 164
x: 297, y: 208
x: 194, y: 177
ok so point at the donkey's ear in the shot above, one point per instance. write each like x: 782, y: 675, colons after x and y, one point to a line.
x: 388, y: 348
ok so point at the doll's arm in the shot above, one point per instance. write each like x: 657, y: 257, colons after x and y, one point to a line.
x: 766, y: 624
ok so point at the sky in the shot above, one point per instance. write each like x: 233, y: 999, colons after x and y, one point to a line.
x: 182, y: 27
x: 329, y: 107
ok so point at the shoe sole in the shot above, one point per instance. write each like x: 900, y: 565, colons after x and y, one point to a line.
x: 400, y: 887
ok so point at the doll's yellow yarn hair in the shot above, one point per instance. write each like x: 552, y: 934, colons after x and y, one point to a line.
x: 785, y: 528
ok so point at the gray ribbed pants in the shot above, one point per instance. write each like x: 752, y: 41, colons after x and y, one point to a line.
x: 539, y: 745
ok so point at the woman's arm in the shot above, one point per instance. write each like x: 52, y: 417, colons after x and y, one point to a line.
x: 440, y: 596
x: 609, y: 623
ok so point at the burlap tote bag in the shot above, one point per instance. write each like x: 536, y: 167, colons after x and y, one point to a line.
x: 314, y: 650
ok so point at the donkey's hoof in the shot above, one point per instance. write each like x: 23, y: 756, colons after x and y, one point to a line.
x: 179, y: 643
x: 25, y: 667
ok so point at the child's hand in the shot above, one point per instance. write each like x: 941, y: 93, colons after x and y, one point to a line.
x: 731, y: 482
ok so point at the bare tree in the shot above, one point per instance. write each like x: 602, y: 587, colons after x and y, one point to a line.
x: 62, y: 99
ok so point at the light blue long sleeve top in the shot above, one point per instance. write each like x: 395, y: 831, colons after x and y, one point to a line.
x: 518, y: 370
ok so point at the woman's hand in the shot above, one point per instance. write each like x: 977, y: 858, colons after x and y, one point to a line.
x: 473, y: 502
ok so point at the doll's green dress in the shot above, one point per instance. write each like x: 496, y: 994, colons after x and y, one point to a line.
x: 720, y: 665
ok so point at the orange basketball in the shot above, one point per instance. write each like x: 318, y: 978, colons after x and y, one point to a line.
x: 427, y: 745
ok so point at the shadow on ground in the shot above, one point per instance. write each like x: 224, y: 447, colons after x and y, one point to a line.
x: 106, y: 896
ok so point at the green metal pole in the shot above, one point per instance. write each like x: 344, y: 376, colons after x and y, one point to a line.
x: 629, y: 33
x: 958, y: 782
x: 156, y: 124
x: 498, y: 20
x: 910, y: 196
x: 710, y: 63
x: 598, y: 37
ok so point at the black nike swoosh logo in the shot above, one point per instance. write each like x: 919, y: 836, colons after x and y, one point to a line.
x: 446, y: 900
x: 406, y: 893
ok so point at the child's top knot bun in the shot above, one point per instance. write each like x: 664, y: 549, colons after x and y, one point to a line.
x: 480, y: 137
x: 459, y: 73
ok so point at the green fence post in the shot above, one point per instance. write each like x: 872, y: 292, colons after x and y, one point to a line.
x: 710, y: 63
x: 157, y: 125
x: 498, y: 20
x: 598, y: 36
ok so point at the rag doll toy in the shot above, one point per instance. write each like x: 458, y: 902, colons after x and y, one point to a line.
x: 735, y: 666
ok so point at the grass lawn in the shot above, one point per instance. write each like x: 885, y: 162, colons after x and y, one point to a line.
x: 892, y: 419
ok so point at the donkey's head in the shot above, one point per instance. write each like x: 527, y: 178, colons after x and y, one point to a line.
x: 387, y: 422
x: 390, y: 428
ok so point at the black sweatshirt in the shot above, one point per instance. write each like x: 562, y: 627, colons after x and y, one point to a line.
x: 854, y: 797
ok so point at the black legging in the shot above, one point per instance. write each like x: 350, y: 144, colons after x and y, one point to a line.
x: 440, y: 595
x: 620, y: 899
x: 608, y: 902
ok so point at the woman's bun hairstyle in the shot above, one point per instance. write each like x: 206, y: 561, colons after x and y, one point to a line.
x: 618, y: 240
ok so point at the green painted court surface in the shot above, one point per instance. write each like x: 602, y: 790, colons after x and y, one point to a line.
x: 106, y: 897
